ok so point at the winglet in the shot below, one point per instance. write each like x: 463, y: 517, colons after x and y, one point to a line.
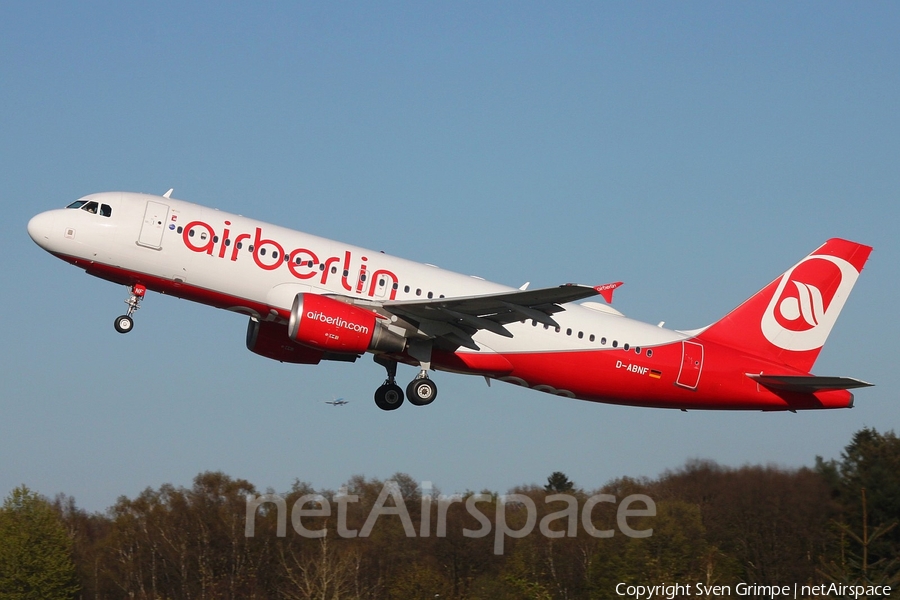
x: 606, y: 290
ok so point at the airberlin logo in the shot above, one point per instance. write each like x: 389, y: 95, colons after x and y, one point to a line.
x: 337, y: 322
x: 807, y: 301
x: 801, y: 309
x: 302, y: 263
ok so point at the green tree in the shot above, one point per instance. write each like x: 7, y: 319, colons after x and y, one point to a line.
x: 871, y: 462
x: 35, y: 550
x: 558, y: 483
x: 854, y: 567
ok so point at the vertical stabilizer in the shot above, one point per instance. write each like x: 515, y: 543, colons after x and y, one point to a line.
x: 790, y: 319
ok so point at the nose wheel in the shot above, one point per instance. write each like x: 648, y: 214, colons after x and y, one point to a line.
x: 125, y: 323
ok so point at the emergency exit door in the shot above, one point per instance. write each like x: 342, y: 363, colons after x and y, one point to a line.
x: 691, y: 365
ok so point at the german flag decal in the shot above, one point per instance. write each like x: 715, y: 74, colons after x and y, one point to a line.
x: 654, y: 374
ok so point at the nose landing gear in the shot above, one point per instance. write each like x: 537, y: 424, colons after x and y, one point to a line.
x: 125, y: 323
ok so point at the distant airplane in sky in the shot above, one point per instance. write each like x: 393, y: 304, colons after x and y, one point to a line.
x: 337, y: 402
x: 310, y: 299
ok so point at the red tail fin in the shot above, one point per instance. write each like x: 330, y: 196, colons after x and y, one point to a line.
x: 790, y: 319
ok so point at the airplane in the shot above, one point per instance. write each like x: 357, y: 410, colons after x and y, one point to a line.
x: 337, y: 402
x: 310, y: 299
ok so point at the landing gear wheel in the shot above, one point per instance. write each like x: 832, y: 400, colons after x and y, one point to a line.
x: 421, y: 391
x: 124, y: 324
x: 388, y: 397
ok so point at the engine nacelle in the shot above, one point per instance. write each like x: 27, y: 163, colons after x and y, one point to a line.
x: 333, y: 326
x: 271, y: 340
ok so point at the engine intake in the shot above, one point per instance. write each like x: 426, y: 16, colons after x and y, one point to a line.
x: 329, y: 325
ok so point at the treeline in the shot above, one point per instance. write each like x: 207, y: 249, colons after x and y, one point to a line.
x: 713, y: 525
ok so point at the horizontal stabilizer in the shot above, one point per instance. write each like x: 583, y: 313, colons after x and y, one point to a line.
x: 807, y: 383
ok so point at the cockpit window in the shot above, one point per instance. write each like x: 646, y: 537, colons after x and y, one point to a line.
x: 104, y: 210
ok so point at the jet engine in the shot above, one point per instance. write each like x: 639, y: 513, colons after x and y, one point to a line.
x: 329, y: 325
x: 271, y: 340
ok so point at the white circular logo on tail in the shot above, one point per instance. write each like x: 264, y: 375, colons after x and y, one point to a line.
x: 807, y: 301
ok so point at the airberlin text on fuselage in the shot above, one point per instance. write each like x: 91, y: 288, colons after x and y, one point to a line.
x: 303, y: 263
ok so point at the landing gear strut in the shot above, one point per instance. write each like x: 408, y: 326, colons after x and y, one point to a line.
x: 125, y: 323
x: 421, y: 391
x: 388, y: 396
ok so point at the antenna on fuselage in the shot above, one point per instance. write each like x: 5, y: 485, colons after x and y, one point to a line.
x: 169, y: 193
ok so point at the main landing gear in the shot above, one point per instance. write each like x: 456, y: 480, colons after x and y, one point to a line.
x: 125, y: 323
x: 420, y: 391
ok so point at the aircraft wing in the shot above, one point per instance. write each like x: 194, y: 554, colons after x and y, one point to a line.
x: 807, y: 383
x: 457, y: 319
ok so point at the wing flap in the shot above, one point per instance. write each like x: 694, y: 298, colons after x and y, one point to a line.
x: 490, y: 303
x: 492, y: 311
x: 456, y: 319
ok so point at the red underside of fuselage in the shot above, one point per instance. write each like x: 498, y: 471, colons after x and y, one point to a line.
x: 614, y: 376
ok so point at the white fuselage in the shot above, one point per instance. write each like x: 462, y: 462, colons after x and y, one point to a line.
x: 257, y: 277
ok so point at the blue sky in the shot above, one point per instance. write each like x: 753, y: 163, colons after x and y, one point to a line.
x: 693, y: 150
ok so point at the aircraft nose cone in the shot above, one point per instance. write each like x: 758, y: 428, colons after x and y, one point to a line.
x: 40, y: 227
